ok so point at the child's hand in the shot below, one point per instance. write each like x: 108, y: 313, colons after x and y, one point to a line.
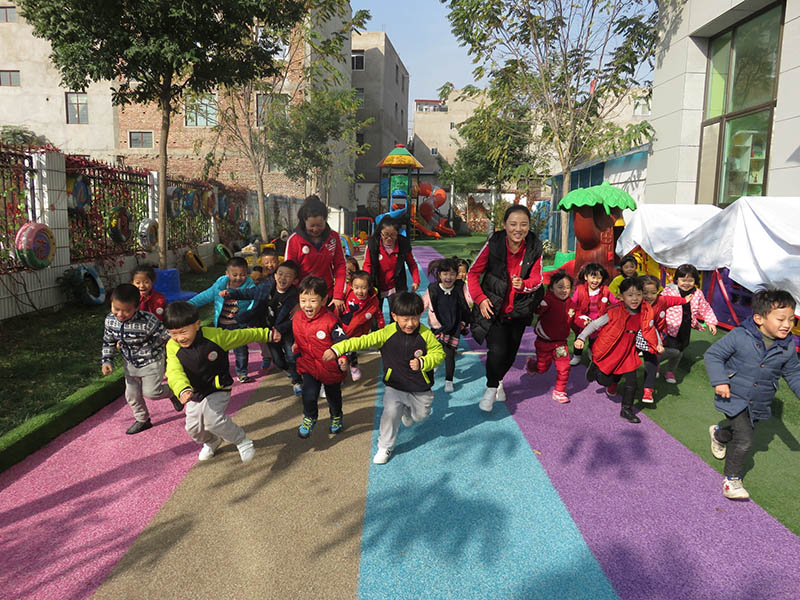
x: 224, y: 293
x: 712, y: 328
x: 329, y: 354
x: 118, y: 345
x: 107, y: 369
x: 723, y: 390
x: 487, y: 308
x: 414, y: 364
x: 276, y: 335
x: 338, y: 305
x: 516, y: 282
x: 689, y: 298
x: 343, y: 363
x: 186, y: 395
x: 659, y: 349
x: 578, y: 344
x: 294, y: 349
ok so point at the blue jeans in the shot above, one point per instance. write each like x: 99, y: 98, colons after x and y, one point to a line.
x: 241, y: 353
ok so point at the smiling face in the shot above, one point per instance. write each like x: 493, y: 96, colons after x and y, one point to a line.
x: 632, y: 298
x: 650, y: 292
x: 122, y: 310
x: 184, y: 336
x: 406, y: 324
x: 462, y: 272
x: 311, y: 303
x: 360, y: 288
x: 143, y: 283
x: 562, y: 289
x: 629, y: 269
x: 269, y: 264
x: 236, y: 276
x: 517, y: 227
x: 777, y: 324
x: 593, y: 280
x: 314, y: 227
x: 447, y: 278
x: 389, y: 235
x: 284, y: 278
x: 685, y: 283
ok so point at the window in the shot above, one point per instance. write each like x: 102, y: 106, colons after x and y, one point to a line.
x: 434, y: 152
x: 739, y: 106
x: 360, y: 139
x: 397, y: 73
x: 77, y: 108
x: 201, y: 111
x: 452, y: 125
x: 403, y: 83
x: 9, y: 78
x: 402, y: 115
x: 357, y: 60
x: 8, y: 14
x: 396, y: 107
x: 360, y: 96
x: 641, y: 107
x: 140, y: 139
x: 269, y: 102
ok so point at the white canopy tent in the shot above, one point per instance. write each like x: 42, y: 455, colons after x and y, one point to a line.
x: 756, y: 238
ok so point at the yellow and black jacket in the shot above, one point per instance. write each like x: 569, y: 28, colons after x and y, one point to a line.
x: 397, y: 350
x: 203, y: 367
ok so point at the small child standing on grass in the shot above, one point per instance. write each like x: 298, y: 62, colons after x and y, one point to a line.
x: 199, y: 374
x: 362, y: 309
x: 592, y: 300
x: 226, y: 309
x: 315, y: 329
x: 557, y: 313
x: 448, y: 312
x: 410, y: 353
x: 143, y: 277
x: 744, y: 368
x: 140, y: 337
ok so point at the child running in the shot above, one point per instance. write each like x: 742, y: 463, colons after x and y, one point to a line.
x: 267, y: 266
x: 199, y: 374
x: 660, y: 303
x: 386, y: 258
x: 744, y: 368
x: 315, y: 329
x: 463, y: 269
x: 592, y: 300
x: 410, y: 352
x: 143, y: 277
x: 361, y: 311
x: 274, y: 304
x: 557, y: 313
x: 140, y: 337
x: 448, y: 312
x: 226, y: 309
x: 682, y: 319
x: 624, y: 330
x: 627, y: 268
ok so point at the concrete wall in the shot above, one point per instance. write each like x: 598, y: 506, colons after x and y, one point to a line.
x: 438, y: 129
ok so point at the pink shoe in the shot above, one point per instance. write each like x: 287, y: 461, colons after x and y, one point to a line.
x: 355, y: 373
x: 560, y: 397
x: 530, y: 366
x: 669, y: 377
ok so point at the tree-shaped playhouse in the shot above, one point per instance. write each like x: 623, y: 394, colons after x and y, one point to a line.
x: 597, y: 209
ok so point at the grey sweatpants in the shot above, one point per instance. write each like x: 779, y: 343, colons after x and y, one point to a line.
x: 144, y: 382
x: 207, y: 419
x: 395, y: 403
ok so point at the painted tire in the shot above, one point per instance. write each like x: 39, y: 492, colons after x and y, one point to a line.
x: 195, y: 263
x: 175, y: 196
x: 35, y: 245
x: 93, y: 292
x: 120, y: 225
x: 192, y: 203
x: 209, y: 204
x: 148, y: 235
x: 223, y: 252
x: 222, y: 208
x: 81, y: 195
x: 244, y: 229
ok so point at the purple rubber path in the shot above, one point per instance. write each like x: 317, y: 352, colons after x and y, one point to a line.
x: 650, y: 510
x: 69, y: 511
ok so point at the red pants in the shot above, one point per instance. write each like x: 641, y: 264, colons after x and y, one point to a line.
x: 546, y: 353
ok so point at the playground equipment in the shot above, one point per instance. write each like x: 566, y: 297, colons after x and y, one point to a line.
x: 168, y: 282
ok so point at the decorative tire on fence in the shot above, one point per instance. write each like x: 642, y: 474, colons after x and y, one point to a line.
x: 194, y: 261
x: 148, y: 235
x: 208, y: 206
x: 174, y: 201
x: 244, y: 229
x: 223, y: 206
x: 223, y: 252
x: 119, y: 227
x: 81, y: 195
x: 93, y: 290
x: 35, y: 245
x: 192, y: 203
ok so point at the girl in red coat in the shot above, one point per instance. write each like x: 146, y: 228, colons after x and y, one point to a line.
x: 624, y: 330
x: 362, y: 309
x: 315, y: 330
x: 317, y: 249
x: 592, y: 299
x: 143, y: 278
x: 557, y: 313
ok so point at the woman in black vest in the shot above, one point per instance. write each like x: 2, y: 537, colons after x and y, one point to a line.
x: 505, y: 282
x: 388, y: 253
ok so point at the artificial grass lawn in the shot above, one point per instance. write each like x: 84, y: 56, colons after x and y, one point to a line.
x: 52, y: 355
x: 463, y: 246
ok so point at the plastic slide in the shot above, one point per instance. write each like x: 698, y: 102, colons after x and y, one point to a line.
x: 424, y: 230
x: 399, y: 212
x: 444, y: 229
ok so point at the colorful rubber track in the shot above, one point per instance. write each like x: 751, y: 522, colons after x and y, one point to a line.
x: 535, y: 500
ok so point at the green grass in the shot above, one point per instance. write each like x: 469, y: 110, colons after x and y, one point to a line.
x: 53, y: 355
x: 461, y: 246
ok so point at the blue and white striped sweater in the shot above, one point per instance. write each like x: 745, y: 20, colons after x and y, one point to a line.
x: 141, y: 338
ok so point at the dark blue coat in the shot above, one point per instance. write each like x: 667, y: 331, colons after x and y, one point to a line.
x: 740, y: 360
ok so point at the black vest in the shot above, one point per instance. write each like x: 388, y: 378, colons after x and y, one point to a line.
x: 496, y: 280
x: 403, y: 248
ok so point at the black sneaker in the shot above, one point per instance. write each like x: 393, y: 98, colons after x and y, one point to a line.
x: 138, y: 427
x: 176, y: 404
x: 627, y: 414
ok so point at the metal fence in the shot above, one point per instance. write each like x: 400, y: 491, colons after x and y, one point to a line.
x: 17, y: 202
x: 189, y: 225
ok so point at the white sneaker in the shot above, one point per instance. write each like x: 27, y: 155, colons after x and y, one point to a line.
x: 718, y: 449
x: 501, y: 393
x: 322, y: 392
x: 448, y: 387
x: 382, y: 456
x: 209, y: 448
x: 487, y: 401
x: 575, y: 360
x: 246, y: 449
x: 732, y: 488
x: 297, y: 388
x: 406, y: 417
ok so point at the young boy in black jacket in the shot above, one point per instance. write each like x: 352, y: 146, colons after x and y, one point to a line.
x: 275, y: 301
x: 410, y: 352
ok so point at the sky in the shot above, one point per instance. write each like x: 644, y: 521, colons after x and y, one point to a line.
x: 420, y: 32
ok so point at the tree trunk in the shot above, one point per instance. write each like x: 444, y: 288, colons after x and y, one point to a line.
x: 492, y: 224
x: 262, y: 211
x: 165, y: 107
x: 566, y: 182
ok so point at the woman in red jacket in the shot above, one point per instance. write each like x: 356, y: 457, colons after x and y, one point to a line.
x: 317, y: 249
